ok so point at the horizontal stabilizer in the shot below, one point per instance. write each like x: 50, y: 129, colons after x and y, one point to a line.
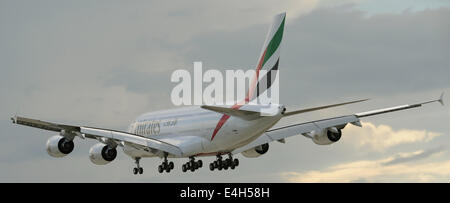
x: 247, y: 112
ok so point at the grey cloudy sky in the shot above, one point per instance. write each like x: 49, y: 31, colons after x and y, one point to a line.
x: 102, y: 63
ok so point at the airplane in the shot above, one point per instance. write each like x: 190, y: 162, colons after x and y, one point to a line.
x: 208, y: 130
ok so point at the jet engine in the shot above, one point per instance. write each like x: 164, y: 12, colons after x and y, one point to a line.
x: 59, y: 146
x: 326, y: 136
x: 102, y: 154
x: 256, y: 151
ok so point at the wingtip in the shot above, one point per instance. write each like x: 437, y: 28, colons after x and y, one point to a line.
x: 441, y: 99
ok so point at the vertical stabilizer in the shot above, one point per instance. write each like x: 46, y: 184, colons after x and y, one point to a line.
x: 268, y: 60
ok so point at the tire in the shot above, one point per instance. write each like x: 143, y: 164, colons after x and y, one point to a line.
x: 171, y: 165
x: 228, y: 161
x: 141, y: 170
x: 160, y: 169
x: 211, y: 166
x: 196, y: 165
x: 184, y: 168
x: 236, y: 162
x: 135, y: 171
x: 200, y: 163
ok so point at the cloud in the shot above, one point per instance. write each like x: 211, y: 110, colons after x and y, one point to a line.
x: 225, y: 16
x: 408, y: 157
x: 382, y: 137
x: 82, y: 104
x: 338, y: 53
x: 399, y: 168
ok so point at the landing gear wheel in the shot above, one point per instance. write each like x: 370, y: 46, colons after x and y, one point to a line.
x: 192, y: 165
x: 196, y: 166
x: 224, y: 164
x: 165, y: 165
x: 228, y: 162
x: 137, y: 169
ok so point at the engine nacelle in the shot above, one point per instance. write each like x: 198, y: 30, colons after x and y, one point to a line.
x: 256, y: 151
x: 59, y: 146
x: 102, y: 154
x: 326, y: 136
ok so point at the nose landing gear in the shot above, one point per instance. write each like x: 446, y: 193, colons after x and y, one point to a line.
x: 137, y: 169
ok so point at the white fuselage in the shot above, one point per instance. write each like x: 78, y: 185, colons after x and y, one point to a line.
x: 192, y: 128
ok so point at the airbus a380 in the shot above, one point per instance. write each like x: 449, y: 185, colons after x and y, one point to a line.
x: 208, y: 130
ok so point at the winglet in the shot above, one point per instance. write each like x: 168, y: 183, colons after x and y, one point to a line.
x: 441, y: 99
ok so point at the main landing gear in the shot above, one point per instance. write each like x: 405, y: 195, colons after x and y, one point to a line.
x: 165, y: 165
x: 138, y: 169
x: 192, y: 165
x: 224, y: 164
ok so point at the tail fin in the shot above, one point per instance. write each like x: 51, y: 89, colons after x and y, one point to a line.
x: 268, y: 59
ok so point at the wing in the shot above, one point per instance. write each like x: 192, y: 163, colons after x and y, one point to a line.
x: 279, y: 134
x: 106, y: 136
x: 291, y: 113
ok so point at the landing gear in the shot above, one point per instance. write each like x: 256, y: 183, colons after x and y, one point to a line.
x: 137, y: 169
x: 192, y: 165
x: 165, y: 165
x: 224, y: 164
